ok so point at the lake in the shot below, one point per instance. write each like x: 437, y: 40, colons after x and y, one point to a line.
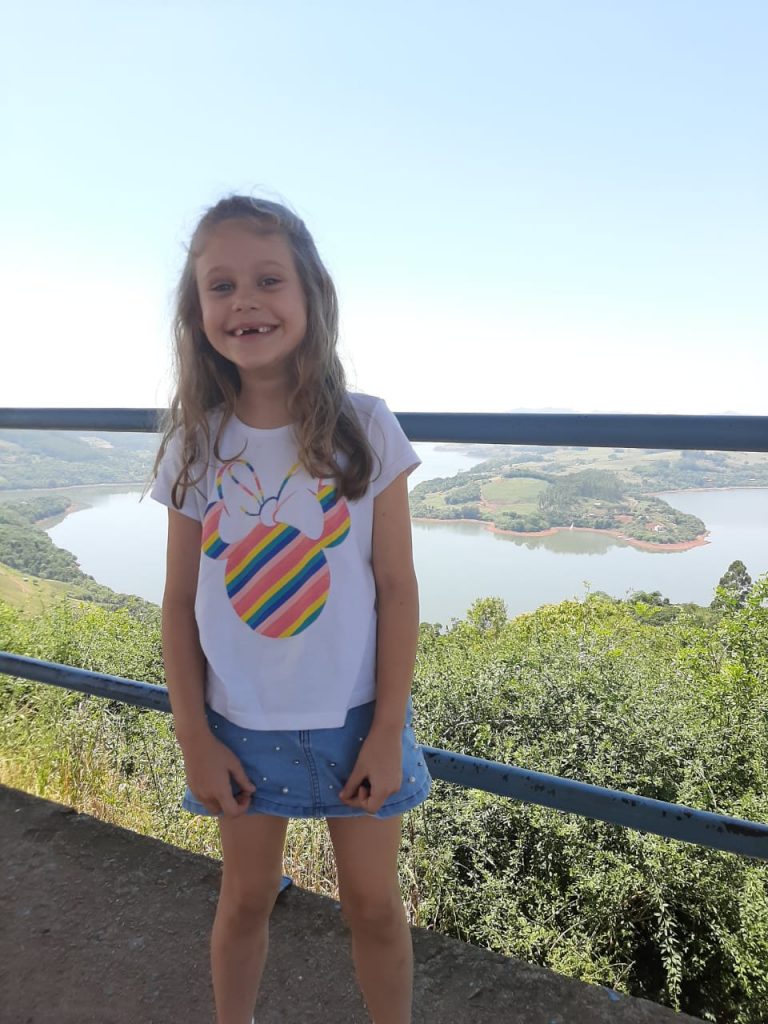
x: 121, y: 543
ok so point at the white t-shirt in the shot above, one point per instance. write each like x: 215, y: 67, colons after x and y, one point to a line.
x: 286, y: 598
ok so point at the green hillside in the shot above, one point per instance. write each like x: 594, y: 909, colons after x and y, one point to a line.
x: 65, y: 458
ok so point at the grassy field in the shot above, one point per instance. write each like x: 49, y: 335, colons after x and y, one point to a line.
x: 438, y: 500
x: 28, y: 592
x: 519, y: 494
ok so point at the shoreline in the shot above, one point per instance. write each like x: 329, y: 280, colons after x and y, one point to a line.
x: 22, y: 492
x: 50, y: 521
x: 643, y: 545
x: 696, y: 490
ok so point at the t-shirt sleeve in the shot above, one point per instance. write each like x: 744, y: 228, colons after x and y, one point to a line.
x: 394, y: 453
x: 167, y: 474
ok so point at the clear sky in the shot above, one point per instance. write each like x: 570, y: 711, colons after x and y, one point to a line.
x: 543, y: 204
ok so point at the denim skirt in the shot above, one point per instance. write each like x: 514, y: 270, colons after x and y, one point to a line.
x: 299, y: 773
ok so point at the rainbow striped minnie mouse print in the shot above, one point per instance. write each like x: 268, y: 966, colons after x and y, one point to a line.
x: 276, y: 574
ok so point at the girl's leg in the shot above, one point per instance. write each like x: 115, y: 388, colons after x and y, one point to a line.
x: 252, y: 847
x: 366, y: 860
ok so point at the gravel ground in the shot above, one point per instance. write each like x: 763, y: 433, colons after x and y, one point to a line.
x: 99, y: 925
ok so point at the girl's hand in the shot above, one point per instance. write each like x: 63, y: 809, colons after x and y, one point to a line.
x: 208, y: 764
x: 378, y: 771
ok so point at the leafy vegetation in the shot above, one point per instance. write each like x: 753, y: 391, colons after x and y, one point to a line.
x: 734, y: 588
x: 662, y: 700
x: 30, y: 550
x: 600, y: 691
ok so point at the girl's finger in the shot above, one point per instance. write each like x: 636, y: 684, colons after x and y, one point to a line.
x: 355, y: 785
x: 349, y: 789
x: 372, y: 802
x: 230, y: 805
x: 238, y: 772
x: 243, y: 800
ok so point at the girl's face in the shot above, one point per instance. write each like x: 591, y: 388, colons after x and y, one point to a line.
x: 253, y: 304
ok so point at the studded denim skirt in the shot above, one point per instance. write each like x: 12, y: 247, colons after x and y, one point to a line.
x: 299, y: 773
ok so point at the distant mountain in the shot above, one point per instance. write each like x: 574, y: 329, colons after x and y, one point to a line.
x: 616, y: 412
x: 547, y: 410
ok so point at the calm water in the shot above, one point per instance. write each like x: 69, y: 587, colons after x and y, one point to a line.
x: 121, y: 543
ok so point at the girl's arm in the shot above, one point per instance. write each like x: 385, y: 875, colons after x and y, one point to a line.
x: 397, y: 598
x: 208, y: 763
x: 378, y: 770
x: 182, y: 655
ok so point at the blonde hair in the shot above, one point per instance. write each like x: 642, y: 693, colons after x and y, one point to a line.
x: 325, y: 422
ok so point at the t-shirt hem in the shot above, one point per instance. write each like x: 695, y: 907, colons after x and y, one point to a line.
x: 158, y: 495
x: 380, y: 484
x: 290, y: 721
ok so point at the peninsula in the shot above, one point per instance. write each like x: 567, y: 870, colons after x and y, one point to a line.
x: 535, y: 491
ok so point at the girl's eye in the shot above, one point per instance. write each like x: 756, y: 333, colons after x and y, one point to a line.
x: 225, y: 286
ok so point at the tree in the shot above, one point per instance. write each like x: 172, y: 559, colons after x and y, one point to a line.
x: 734, y: 587
x: 488, y: 614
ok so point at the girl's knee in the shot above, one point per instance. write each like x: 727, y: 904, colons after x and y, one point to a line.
x: 249, y: 901
x: 374, y: 912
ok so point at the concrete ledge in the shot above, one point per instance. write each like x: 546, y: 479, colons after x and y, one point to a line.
x: 103, y: 926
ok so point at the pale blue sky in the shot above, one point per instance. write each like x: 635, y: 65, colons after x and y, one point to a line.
x: 524, y: 205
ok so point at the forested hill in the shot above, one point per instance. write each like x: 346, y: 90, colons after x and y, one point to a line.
x: 66, y: 458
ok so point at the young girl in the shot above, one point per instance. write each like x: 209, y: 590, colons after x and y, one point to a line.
x: 290, y: 613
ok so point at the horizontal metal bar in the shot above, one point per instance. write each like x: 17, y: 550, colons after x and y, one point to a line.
x: 689, y: 433
x: 675, y: 821
x: 139, y: 420
x: 601, y: 430
x: 97, y: 684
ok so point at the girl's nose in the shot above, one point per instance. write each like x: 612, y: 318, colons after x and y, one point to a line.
x: 246, y: 302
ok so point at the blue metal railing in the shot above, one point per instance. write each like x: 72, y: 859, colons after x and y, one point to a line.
x: 688, y: 433
x: 724, y: 433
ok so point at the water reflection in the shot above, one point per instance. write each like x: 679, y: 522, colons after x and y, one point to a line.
x: 561, y: 542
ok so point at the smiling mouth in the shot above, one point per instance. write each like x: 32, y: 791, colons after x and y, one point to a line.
x: 243, y: 331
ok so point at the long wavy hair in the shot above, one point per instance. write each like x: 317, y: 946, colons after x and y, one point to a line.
x: 325, y: 422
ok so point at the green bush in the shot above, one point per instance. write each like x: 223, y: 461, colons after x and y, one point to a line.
x: 596, y: 692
